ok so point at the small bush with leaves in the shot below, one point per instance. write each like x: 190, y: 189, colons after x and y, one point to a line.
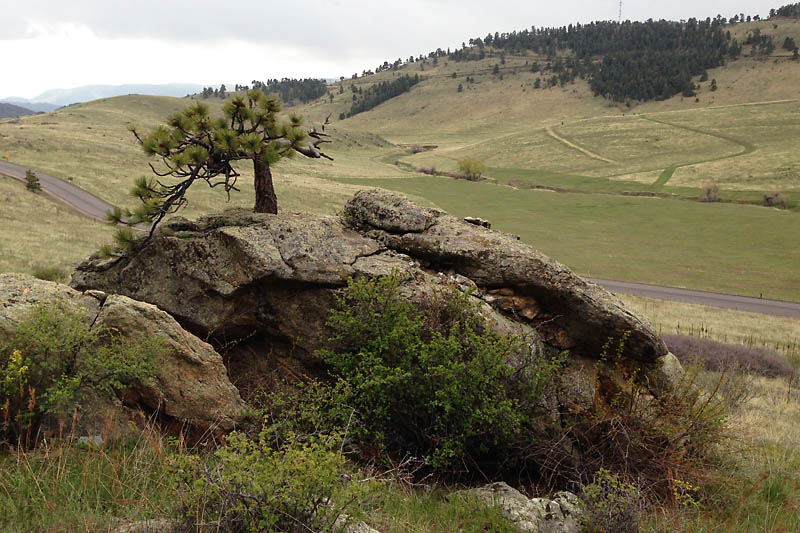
x: 432, y: 380
x: 251, y: 485
x: 314, y: 408
x: 610, y: 505
x: 54, y: 357
x: 473, y: 168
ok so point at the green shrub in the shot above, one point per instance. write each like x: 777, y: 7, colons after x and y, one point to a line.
x: 471, y: 167
x: 251, y: 485
x: 432, y: 381
x: 54, y: 357
x: 32, y: 181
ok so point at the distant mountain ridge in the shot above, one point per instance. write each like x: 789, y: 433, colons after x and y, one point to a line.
x: 11, y: 110
x: 38, y: 107
x: 61, y: 97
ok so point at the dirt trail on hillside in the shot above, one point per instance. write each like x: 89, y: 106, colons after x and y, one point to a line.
x: 561, y: 139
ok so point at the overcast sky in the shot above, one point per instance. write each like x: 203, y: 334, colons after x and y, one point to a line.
x: 48, y: 44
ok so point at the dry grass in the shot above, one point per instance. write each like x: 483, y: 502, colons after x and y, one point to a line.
x: 504, y: 122
x: 781, y: 334
x: 38, y: 233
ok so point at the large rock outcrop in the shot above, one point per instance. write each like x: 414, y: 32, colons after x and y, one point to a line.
x: 240, y: 271
x: 190, y: 384
x: 270, y: 281
x: 571, y: 312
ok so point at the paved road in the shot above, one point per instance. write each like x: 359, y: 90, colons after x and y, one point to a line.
x: 727, y: 301
x: 96, y: 208
x: 62, y: 191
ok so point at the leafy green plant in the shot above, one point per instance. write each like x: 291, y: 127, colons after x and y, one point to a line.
x: 471, y: 167
x: 432, y: 380
x: 54, y: 357
x: 250, y: 485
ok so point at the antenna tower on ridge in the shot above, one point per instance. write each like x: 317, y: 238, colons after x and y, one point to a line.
x: 620, y: 12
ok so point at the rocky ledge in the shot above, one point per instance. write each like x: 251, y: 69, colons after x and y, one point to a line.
x: 265, y: 284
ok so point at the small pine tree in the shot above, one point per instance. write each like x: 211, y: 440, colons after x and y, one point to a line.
x: 193, y: 147
x: 714, y: 84
x: 32, y: 181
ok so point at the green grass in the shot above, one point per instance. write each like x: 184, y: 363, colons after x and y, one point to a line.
x: 407, y: 510
x: 74, y: 487
x: 718, y: 247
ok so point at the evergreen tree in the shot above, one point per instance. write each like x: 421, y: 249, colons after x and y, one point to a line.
x: 32, y: 181
x: 381, y: 92
x: 194, y: 147
x: 789, y: 10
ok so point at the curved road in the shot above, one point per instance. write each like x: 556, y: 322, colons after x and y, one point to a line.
x: 93, y: 207
x: 62, y: 191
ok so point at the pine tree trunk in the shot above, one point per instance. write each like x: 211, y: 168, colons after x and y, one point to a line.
x: 266, y: 201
